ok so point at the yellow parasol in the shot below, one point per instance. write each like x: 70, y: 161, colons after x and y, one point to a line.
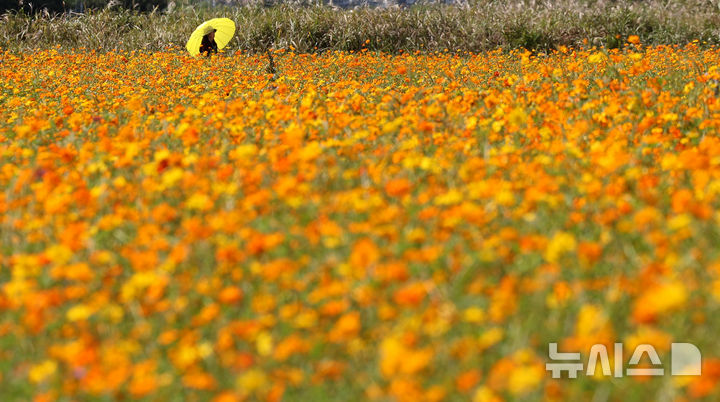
x: 224, y: 31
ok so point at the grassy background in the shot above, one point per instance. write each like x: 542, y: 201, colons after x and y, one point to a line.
x: 478, y: 26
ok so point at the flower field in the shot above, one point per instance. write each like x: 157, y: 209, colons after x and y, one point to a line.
x: 416, y: 227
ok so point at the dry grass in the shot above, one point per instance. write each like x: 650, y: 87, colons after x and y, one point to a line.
x: 480, y: 26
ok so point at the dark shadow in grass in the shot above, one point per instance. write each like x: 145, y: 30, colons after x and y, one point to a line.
x: 530, y: 38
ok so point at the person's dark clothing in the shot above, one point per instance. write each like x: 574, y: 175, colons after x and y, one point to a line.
x: 208, y: 46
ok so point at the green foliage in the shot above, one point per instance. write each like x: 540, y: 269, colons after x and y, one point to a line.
x: 482, y: 25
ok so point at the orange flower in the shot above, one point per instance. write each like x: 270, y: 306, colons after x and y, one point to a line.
x: 411, y: 294
x: 346, y: 327
x: 658, y: 300
x: 145, y: 197
x: 290, y: 346
x: 364, y: 254
x: 230, y: 295
x: 199, y: 380
x: 467, y: 380
x: 398, y: 187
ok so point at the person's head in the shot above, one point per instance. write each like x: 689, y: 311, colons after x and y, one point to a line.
x: 211, y: 34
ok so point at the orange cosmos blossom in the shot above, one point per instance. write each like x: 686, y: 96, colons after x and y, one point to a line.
x: 398, y: 187
x: 354, y: 225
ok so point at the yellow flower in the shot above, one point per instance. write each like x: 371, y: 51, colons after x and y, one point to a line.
x: 171, y: 177
x: 252, y: 380
x: 485, y: 394
x: 396, y: 358
x: 264, y: 344
x: 517, y: 116
x: 560, y: 244
x: 596, y: 57
x: 199, y: 201
x: 41, y: 372
x: 525, y: 378
x: 79, y: 312
x: 490, y: 337
x: 474, y: 315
